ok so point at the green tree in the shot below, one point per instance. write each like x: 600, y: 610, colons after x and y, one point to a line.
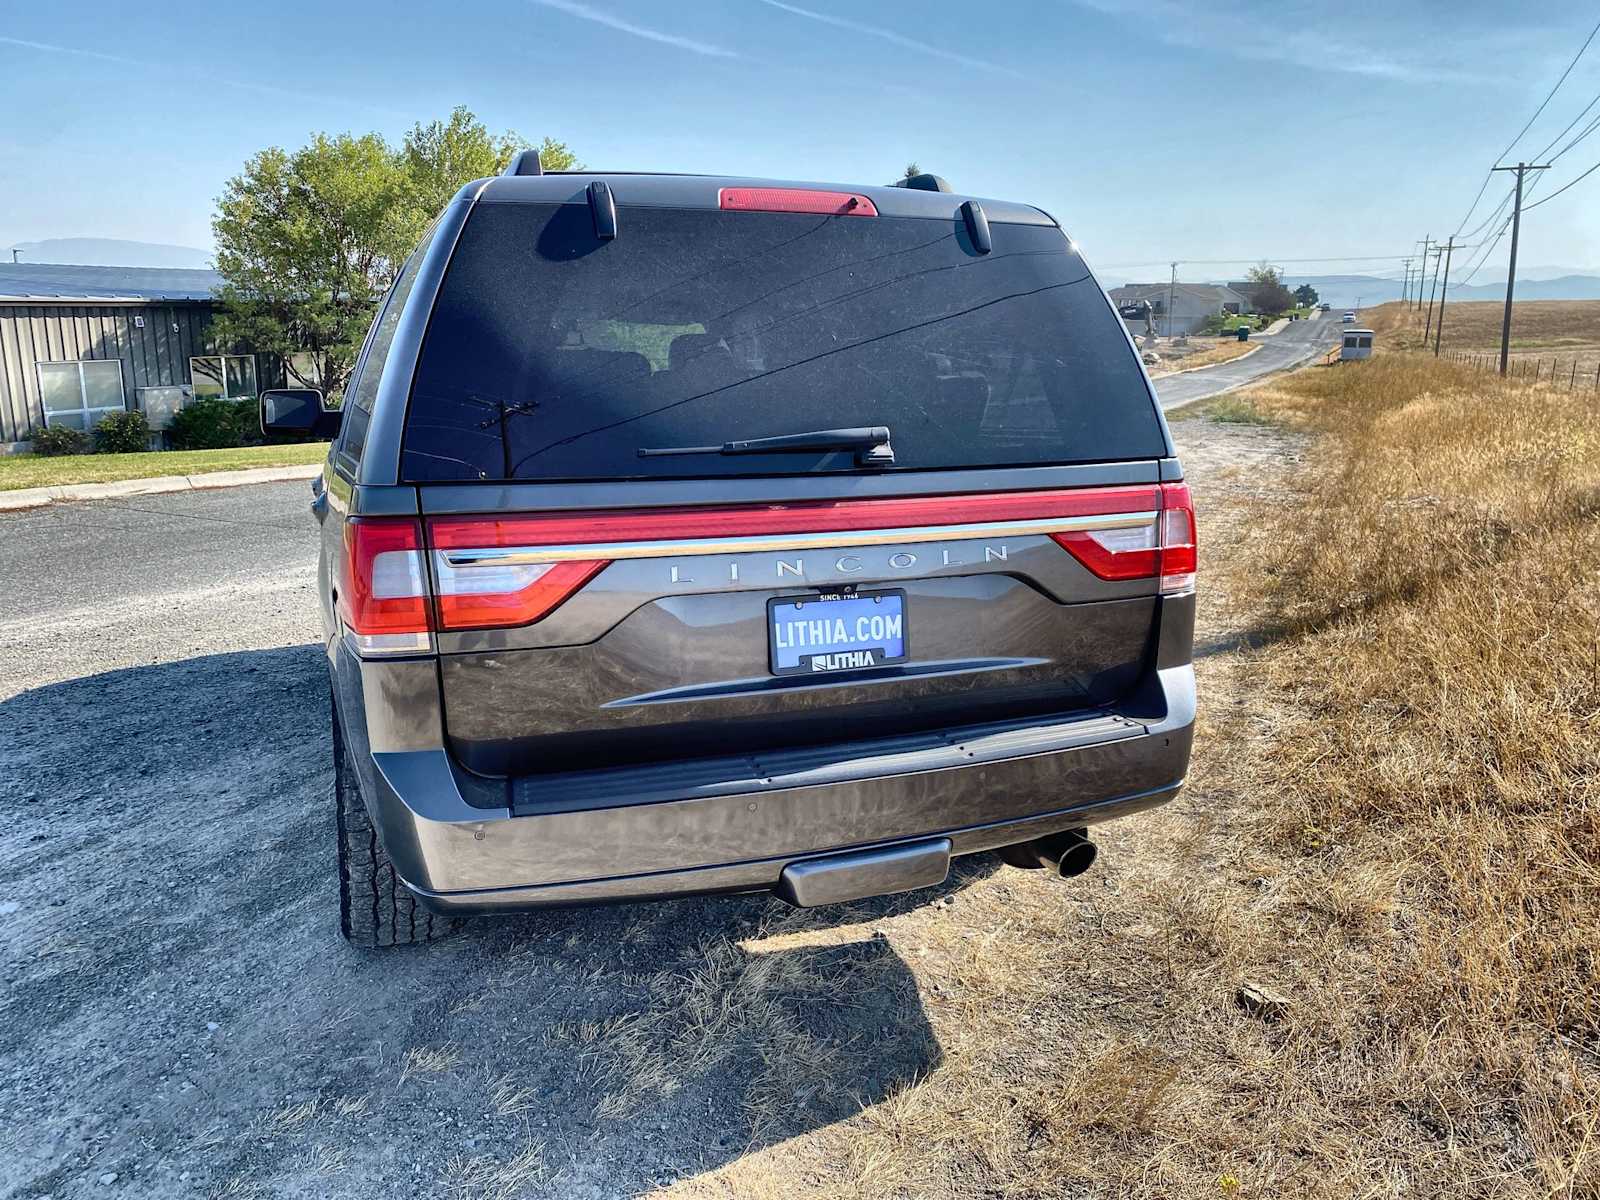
x: 442, y: 155
x: 1267, y: 291
x: 912, y: 170
x: 309, y: 241
x: 1305, y: 295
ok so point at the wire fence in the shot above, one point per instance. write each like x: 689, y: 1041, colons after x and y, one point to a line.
x: 1570, y: 374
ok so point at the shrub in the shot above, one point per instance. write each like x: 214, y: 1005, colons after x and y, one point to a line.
x: 247, y: 421
x: 122, y: 433
x: 58, y: 439
x: 214, y: 425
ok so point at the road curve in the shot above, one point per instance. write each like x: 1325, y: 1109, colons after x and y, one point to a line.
x: 1298, y: 343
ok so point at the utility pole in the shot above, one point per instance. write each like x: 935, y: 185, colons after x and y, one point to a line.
x: 1511, y: 272
x: 16, y: 255
x: 1424, y: 270
x: 1172, y: 294
x: 1427, y: 330
x: 1438, y: 330
x: 1405, y: 288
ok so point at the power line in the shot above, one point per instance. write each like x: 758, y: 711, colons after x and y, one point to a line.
x: 1562, y: 188
x: 1545, y: 103
x: 1587, y: 130
x: 1570, y: 124
x: 1492, y: 217
x: 1223, y: 262
x: 1485, y: 256
x: 1542, y: 106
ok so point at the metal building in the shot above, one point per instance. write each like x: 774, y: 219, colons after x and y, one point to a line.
x: 77, y: 343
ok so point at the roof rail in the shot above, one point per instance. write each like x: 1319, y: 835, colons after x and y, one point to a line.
x: 923, y: 183
x: 525, y: 163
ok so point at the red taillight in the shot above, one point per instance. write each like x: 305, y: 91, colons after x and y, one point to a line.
x: 796, y: 200
x: 494, y: 597
x: 482, y: 587
x: 1129, y: 553
x: 1161, y: 546
x: 383, y: 597
x: 1179, y: 558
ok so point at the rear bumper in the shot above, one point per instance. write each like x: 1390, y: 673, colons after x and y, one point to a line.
x: 688, y: 833
x: 769, y: 874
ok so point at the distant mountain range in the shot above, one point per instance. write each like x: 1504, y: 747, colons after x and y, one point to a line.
x: 108, y: 252
x: 1347, y: 291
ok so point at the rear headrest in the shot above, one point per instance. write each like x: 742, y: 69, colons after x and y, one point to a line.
x: 689, y: 346
x: 614, y: 364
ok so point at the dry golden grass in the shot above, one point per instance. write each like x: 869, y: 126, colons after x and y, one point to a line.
x: 1557, y: 335
x: 1475, y: 324
x: 1435, y: 761
x: 1220, y: 351
x: 482, y: 1177
x: 429, y: 1060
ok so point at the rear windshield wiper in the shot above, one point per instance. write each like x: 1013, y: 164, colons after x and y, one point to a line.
x: 871, y: 445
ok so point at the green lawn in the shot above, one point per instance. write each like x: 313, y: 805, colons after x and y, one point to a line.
x: 32, y: 470
x: 1257, y: 322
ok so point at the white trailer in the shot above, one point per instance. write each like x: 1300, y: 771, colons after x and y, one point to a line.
x: 1356, y: 346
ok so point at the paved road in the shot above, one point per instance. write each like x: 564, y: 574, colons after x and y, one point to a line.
x: 1298, y: 343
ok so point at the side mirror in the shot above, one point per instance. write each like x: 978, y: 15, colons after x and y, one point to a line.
x: 299, y: 412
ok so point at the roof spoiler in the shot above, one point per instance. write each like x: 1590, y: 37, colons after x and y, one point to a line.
x: 923, y: 183
x: 525, y: 163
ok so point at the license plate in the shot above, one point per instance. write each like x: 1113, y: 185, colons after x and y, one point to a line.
x: 836, y: 631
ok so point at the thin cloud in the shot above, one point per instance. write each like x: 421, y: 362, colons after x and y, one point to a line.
x: 75, y: 50
x: 220, y: 80
x: 1251, y: 36
x: 889, y: 35
x: 584, y: 13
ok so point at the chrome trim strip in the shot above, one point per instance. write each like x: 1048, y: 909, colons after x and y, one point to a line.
x: 516, y: 555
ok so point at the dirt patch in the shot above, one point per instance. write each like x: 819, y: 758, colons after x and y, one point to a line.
x: 1200, y: 353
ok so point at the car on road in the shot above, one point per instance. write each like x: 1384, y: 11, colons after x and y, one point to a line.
x: 1349, y: 316
x: 687, y: 534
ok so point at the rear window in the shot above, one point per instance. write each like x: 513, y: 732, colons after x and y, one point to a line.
x: 554, y: 355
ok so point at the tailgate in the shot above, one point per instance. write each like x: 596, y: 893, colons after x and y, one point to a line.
x: 779, y: 626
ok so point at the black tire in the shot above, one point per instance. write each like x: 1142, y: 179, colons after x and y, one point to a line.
x: 375, y: 908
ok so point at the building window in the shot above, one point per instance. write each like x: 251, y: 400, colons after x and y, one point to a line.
x: 301, y: 365
x: 223, y: 377
x: 78, y: 394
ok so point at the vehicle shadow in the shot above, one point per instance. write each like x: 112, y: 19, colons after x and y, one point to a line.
x: 169, y: 832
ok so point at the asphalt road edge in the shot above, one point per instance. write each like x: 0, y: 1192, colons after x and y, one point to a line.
x: 1298, y: 364
x: 22, y: 498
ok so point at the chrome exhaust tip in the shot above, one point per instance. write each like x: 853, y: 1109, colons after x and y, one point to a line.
x: 1069, y: 853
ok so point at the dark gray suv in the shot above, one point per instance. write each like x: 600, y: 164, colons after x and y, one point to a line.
x: 689, y: 534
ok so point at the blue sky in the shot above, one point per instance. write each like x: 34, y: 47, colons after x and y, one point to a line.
x: 1152, y: 131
